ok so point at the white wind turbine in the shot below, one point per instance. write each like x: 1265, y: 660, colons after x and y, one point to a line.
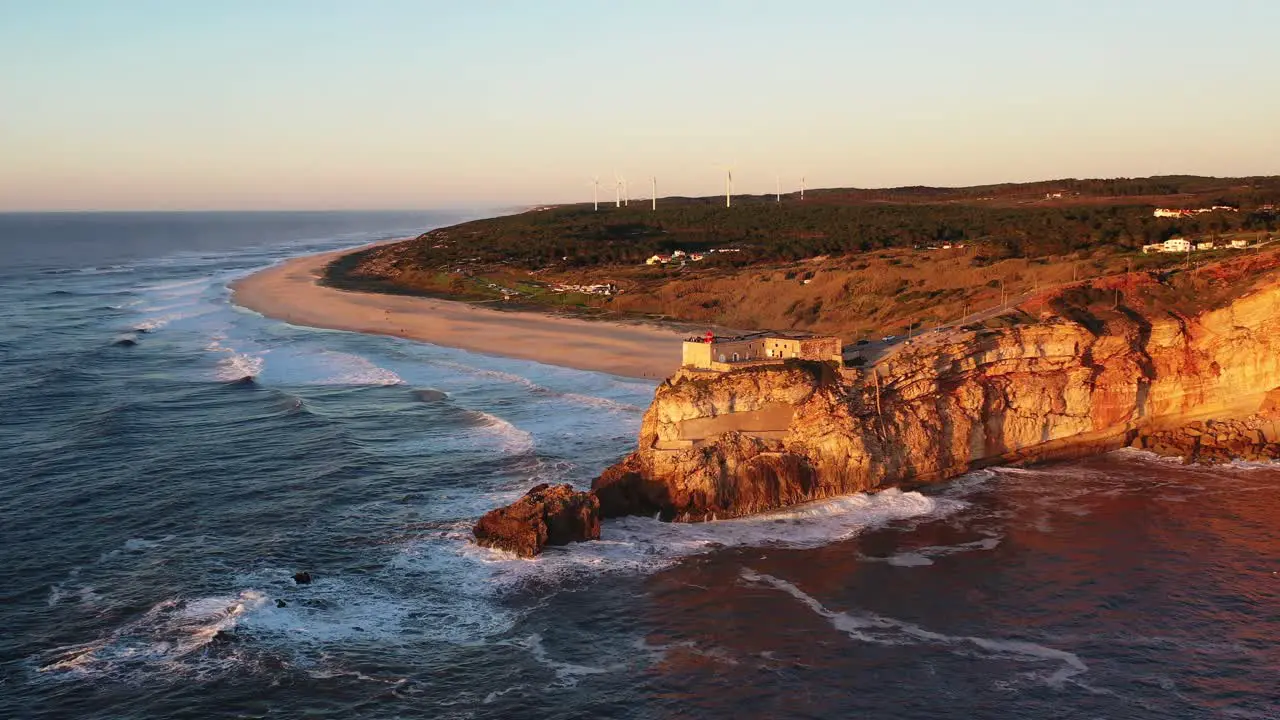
x: 777, y: 187
x: 801, y: 187
x: 617, y: 190
x: 728, y: 187
x: 595, y: 192
x: 653, y: 180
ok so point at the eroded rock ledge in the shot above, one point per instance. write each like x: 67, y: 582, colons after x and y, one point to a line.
x: 1068, y: 385
x: 1072, y: 382
x: 1255, y: 438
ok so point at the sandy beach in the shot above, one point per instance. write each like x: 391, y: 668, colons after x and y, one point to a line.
x: 290, y: 291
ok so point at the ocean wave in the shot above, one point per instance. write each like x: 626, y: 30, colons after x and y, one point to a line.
x: 871, y: 628
x: 924, y: 556
x: 236, y: 366
x: 567, y: 673
x: 646, y: 545
x: 152, y: 324
x: 163, y: 638
x: 239, y: 367
x: 351, y: 369
x: 170, y: 287
x: 601, y: 402
x: 510, y: 438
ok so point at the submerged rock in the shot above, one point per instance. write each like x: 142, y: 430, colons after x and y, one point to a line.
x: 223, y: 637
x: 546, y: 515
x: 302, y: 578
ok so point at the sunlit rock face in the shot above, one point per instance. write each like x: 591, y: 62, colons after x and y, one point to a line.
x: 1069, y: 384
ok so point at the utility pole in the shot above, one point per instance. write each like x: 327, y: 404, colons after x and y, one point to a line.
x: 1002, y: 295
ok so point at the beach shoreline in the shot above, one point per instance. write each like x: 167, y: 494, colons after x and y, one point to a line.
x: 292, y: 291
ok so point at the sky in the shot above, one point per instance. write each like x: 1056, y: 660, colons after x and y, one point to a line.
x: 321, y: 104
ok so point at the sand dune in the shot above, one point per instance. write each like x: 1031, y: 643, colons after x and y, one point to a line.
x: 290, y: 291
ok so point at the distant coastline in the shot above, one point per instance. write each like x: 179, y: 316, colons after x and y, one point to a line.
x: 292, y: 291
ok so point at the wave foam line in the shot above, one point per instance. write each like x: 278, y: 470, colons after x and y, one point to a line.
x: 646, y: 545
x: 567, y: 674
x: 357, y: 370
x: 880, y: 630
x: 166, y: 634
x: 511, y: 438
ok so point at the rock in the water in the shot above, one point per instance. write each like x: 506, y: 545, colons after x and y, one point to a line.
x: 546, y: 515
x: 125, y: 341
x: 281, y: 603
x: 302, y: 578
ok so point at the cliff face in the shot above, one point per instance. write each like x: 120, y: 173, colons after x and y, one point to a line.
x: 754, y: 439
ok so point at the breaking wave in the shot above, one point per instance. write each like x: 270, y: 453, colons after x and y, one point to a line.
x: 871, y: 628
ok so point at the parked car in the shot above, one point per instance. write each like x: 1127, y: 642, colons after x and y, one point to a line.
x: 863, y: 341
x: 890, y: 338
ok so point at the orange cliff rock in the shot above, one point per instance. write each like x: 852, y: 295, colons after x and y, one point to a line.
x: 1075, y: 383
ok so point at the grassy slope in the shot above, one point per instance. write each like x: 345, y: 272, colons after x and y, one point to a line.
x: 856, y: 249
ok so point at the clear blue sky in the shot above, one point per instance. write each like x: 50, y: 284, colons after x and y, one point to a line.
x: 323, y: 104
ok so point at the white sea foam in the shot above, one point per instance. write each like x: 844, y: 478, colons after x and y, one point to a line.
x: 924, y: 556
x: 176, y: 287
x: 491, y: 697
x: 152, y: 324
x: 644, y: 545
x: 871, y: 628
x: 239, y: 366
x: 510, y: 438
x: 603, y: 403
x: 349, y: 369
x: 567, y: 674
x: 1139, y: 454
x: 162, y: 638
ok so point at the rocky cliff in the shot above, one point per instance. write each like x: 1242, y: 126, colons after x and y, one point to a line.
x: 1079, y: 377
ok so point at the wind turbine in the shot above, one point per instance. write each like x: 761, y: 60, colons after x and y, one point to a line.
x: 626, y: 196
x: 653, y: 180
x: 777, y: 187
x: 595, y: 192
x: 728, y: 187
x: 801, y: 187
x: 617, y: 190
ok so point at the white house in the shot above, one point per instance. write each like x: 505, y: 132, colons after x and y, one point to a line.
x: 1177, y: 244
x: 1155, y: 247
x: 1239, y: 244
x: 1206, y: 245
x: 1169, y: 212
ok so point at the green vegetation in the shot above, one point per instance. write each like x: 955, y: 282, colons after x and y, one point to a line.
x: 1007, y: 220
x: 853, y: 263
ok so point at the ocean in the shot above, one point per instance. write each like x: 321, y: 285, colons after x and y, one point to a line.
x: 168, y: 461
